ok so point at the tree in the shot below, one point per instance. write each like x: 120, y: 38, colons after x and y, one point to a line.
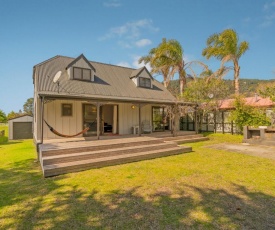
x: 225, y: 47
x: 167, y: 59
x: 3, y: 117
x: 208, y: 93
x: 267, y: 90
x: 171, y: 55
x: 246, y: 115
x: 28, y: 106
x: 157, y: 62
x: 12, y: 115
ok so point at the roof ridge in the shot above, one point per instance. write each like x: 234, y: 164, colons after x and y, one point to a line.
x: 113, y: 65
x: 131, y: 68
x: 50, y: 59
x: 22, y: 115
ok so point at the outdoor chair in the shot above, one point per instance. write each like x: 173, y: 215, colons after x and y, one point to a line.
x: 146, y: 127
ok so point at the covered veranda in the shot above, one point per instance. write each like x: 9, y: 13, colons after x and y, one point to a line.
x: 44, y: 99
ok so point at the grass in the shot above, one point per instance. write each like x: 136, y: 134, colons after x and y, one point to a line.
x: 204, y: 189
x: 4, y: 139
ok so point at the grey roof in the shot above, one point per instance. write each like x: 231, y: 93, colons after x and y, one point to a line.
x: 23, y: 115
x: 79, y: 57
x: 111, y: 83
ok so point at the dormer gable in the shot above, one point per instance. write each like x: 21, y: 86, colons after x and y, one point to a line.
x: 142, y: 78
x: 81, y: 69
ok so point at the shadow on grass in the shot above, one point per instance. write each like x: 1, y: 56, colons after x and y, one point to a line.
x: 206, y: 134
x: 3, y: 140
x: 10, y: 142
x: 32, y: 202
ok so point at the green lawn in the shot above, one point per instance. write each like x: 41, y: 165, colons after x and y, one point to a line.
x: 4, y: 139
x: 204, y: 189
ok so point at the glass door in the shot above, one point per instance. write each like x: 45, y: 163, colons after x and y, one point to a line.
x: 158, y: 119
x: 89, y: 118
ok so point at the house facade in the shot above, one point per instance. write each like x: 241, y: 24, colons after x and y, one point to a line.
x: 72, y: 94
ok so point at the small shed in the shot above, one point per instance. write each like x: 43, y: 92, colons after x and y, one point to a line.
x: 21, y: 127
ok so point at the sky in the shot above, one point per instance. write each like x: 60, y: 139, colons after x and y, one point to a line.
x: 119, y: 32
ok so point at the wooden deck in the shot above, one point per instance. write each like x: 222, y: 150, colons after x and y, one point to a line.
x: 77, y: 154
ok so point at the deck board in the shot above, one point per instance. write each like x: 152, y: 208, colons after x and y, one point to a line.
x: 78, y: 154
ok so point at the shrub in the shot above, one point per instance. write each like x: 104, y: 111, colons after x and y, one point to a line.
x: 247, y: 115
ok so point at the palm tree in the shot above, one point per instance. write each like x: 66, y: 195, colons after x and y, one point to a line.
x: 226, y: 47
x: 172, y: 55
x: 167, y: 59
x: 158, y: 62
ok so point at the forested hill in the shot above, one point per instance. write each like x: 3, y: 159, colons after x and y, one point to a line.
x: 248, y: 87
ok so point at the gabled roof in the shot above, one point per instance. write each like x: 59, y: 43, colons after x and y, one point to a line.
x: 255, y: 101
x: 137, y: 72
x: 111, y: 83
x: 77, y: 59
x: 23, y: 115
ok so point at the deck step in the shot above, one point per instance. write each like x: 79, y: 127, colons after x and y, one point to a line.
x: 61, y: 168
x: 61, y: 158
x: 192, y: 140
x: 187, y: 139
x: 182, y: 137
x: 53, y: 151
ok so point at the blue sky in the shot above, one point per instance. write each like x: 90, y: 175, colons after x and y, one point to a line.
x: 120, y: 31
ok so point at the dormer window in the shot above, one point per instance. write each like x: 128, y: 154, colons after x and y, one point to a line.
x: 144, y: 82
x: 81, y: 74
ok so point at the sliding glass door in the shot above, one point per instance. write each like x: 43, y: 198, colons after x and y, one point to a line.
x: 89, y: 118
x: 160, y: 120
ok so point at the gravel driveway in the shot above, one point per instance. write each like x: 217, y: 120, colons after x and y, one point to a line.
x: 253, y: 150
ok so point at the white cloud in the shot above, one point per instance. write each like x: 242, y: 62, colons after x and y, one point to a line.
x: 269, y: 5
x: 269, y: 17
x: 125, y: 44
x: 131, y: 30
x: 143, y: 42
x: 124, y: 64
x: 138, y: 65
x: 134, y: 63
x: 188, y: 58
x: 268, y: 20
x: 246, y: 20
x: 112, y: 3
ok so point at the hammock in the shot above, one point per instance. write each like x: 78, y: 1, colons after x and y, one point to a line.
x: 62, y: 135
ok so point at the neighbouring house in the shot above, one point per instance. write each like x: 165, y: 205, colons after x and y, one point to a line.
x: 71, y: 94
x: 219, y: 121
x: 21, y: 127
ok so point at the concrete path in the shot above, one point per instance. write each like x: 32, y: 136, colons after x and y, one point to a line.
x: 253, y: 150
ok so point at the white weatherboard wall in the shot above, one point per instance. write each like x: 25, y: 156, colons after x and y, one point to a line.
x: 26, y: 118
x: 68, y: 125
x: 128, y: 117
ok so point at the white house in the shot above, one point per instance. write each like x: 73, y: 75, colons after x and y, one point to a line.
x: 71, y: 94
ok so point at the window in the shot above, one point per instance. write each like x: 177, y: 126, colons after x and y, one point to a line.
x: 67, y: 109
x: 160, y: 119
x: 82, y: 74
x: 144, y: 82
